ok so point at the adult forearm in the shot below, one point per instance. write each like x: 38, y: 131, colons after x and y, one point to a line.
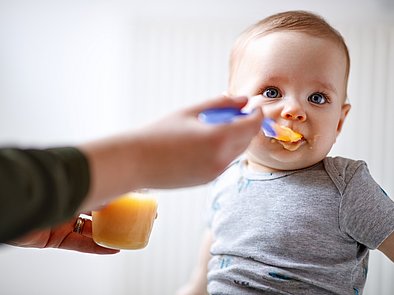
x: 114, y: 164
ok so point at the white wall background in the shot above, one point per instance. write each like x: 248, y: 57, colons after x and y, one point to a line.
x: 72, y: 71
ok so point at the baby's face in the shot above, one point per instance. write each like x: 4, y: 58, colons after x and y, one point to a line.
x: 301, y: 83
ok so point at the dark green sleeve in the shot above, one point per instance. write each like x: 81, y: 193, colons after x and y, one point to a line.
x: 39, y: 188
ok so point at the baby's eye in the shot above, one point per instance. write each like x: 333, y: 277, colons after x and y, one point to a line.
x: 318, y: 98
x: 271, y: 92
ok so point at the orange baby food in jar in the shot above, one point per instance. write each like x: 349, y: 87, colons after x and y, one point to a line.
x: 125, y: 223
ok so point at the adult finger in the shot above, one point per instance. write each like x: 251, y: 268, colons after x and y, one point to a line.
x: 219, y: 102
x: 248, y: 125
x: 87, y: 228
x: 254, y: 117
x: 78, y: 242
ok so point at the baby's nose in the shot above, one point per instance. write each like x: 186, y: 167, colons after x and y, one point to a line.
x: 291, y: 116
x: 294, y: 111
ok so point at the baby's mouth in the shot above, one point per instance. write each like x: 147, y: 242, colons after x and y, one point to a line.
x: 280, y: 132
x: 290, y: 139
x: 292, y: 146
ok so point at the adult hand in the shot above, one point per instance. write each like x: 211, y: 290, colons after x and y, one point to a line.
x: 180, y: 150
x: 63, y: 237
x: 176, y: 151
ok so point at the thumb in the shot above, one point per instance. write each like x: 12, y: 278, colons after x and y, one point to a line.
x: 251, y: 124
x: 219, y: 102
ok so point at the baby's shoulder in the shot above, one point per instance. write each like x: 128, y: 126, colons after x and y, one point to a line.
x: 343, y: 165
x: 342, y: 170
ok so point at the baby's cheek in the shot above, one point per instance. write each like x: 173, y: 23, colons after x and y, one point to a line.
x: 314, y: 140
x: 320, y: 145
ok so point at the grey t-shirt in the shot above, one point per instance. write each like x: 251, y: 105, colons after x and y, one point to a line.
x: 306, y: 231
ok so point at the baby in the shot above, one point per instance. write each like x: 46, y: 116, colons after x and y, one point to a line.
x: 285, y: 218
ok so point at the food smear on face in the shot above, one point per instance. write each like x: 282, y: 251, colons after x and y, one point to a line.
x: 291, y: 146
x: 279, y: 132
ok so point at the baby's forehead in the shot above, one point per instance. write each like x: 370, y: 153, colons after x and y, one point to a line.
x: 282, y: 37
x: 275, y: 46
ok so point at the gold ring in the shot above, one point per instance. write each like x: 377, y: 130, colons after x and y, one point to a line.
x: 78, y: 227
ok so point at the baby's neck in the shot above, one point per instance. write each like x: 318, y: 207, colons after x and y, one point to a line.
x: 253, y: 166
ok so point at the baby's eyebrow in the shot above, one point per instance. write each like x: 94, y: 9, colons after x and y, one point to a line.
x: 326, y: 85
x: 275, y: 79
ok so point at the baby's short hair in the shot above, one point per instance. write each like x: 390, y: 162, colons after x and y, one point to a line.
x: 297, y: 21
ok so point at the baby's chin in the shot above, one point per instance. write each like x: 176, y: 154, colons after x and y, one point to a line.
x: 274, y: 164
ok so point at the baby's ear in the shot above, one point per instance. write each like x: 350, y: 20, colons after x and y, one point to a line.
x: 344, y: 111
